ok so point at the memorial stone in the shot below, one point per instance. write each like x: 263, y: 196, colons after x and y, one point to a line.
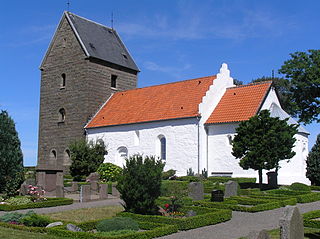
x: 103, y: 191
x: 85, y: 193
x: 231, y: 189
x: 115, y: 191
x: 196, y: 191
x: 291, y: 224
x: 259, y: 235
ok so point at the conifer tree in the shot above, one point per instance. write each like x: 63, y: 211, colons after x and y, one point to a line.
x: 262, y: 141
x: 313, y: 163
x: 11, y: 158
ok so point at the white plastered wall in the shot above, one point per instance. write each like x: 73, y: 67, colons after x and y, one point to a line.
x: 221, y: 159
x: 181, y: 141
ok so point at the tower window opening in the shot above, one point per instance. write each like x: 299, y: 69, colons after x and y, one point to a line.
x: 114, y: 81
x: 63, y: 80
x: 62, y: 115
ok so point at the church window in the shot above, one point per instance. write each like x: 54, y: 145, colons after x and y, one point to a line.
x: 64, y: 42
x: 114, y: 81
x: 53, y: 155
x: 122, y: 154
x: 63, y: 81
x: 62, y: 115
x: 161, y: 149
x: 136, y: 138
x: 66, y: 158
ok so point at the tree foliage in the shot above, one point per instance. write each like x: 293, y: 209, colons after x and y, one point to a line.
x: 262, y: 141
x: 303, y: 73
x: 140, y: 184
x: 11, y: 158
x: 313, y: 163
x: 86, y: 157
x: 282, y: 87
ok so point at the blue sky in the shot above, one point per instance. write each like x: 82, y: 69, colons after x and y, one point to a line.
x: 169, y: 40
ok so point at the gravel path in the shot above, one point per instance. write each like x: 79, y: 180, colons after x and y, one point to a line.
x: 241, y: 224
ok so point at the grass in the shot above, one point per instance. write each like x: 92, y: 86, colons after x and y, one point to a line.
x: 86, y: 214
x: 9, y: 233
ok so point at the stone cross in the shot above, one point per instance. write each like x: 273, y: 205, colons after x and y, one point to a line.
x: 103, y: 191
x: 196, y: 191
x: 291, y: 224
x: 85, y: 193
x: 231, y: 189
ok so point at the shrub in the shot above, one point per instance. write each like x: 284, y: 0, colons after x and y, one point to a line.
x: 35, y: 220
x: 299, y: 187
x: 313, y: 162
x: 117, y: 223
x: 168, y: 174
x: 86, y: 157
x: 15, y: 216
x: 109, y: 172
x: 190, y: 172
x: 18, y: 200
x: 204, y: 173
x: 140, y: 184
x: 174, y: 188
x: 189, y: 178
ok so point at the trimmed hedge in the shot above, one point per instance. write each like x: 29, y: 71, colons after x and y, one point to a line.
x: 308, y: 219
x: 204, y: 217
x: 185, y: 201
x: 226, y: 179
x: 50, y: 202
x: 315, y: 188
x: 173, y: 187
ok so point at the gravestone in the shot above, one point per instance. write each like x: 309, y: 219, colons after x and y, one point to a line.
x: 103, y: 191
x: 74, y: 186
x: 231, y: 189
x: 196, y: 191
x: 74, y: 228
x: 85, y: 193
x: 259, y: 235
x: 115, y: 191
x: 93, y: 177
x: 272, y: 180
x: 59, y: 191
x: 291, y: 224
x: 24, y: 189
x: 94, y: 185
x: 217, y: 196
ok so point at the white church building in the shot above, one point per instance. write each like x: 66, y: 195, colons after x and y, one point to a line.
x: 190, y: 124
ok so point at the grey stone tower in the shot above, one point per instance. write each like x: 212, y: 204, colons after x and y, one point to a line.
x: 85, y: 63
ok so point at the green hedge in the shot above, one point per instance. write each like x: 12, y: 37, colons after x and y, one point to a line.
x: 315, y: 188
x: 152, y: 230
x: 185, y: 201
x: 226, y: 179
x: 204, y: 217
x: 50, y: 202
x: 173, y: 187
x: 308, y: 219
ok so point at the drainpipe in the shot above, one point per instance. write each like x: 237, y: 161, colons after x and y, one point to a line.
x: 198, y: 118
x: 207, y: 149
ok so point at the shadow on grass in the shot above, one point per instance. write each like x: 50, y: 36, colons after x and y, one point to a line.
x: 312, y: 235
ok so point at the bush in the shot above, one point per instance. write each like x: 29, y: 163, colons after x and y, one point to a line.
x: 15, y: 216
x: 109, y: 172
x: 168, y: 174
x: 18, y: 200
x: 299, y: 187
x: 189, y: 178
x: 174, y: 188
x: 313, y: 162
x: 35, y: 220
x: 117, y: 223
x: 140, y: 184
x: 86, y: 157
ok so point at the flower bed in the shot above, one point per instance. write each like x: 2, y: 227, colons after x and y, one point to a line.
x: 204, y: 217
x: 49, y: 202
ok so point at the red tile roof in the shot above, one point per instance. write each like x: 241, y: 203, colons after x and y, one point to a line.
x: 240, y: 103
x: 161, y: 102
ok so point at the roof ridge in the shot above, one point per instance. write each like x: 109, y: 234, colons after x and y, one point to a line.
x: 170, y: 83
x: 86, y: 19
x: 251, y: 84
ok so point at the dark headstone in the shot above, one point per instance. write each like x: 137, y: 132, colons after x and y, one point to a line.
x: 54, y: 224
x: 291, y: 224
x: 217, y: 196
x: 196, y: 191
x: 231, y: 189
x: 74, y: 228
x: 103, y: 191
x: 259, y: 235
x: 272, y: 180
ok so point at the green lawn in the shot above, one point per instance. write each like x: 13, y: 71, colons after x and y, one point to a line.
x: 8, y: 233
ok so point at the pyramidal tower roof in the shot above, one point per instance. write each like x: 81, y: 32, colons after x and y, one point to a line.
x: 100, y: 42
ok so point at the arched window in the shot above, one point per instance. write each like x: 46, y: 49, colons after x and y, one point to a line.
x: 66, y: 157
x: 53, y: 155
x: 122, y: 154
x: 161, y: 149
x: 63, y: 80
x: 62, y: 115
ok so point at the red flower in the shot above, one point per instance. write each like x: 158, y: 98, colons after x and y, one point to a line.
x: 166, y: 205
